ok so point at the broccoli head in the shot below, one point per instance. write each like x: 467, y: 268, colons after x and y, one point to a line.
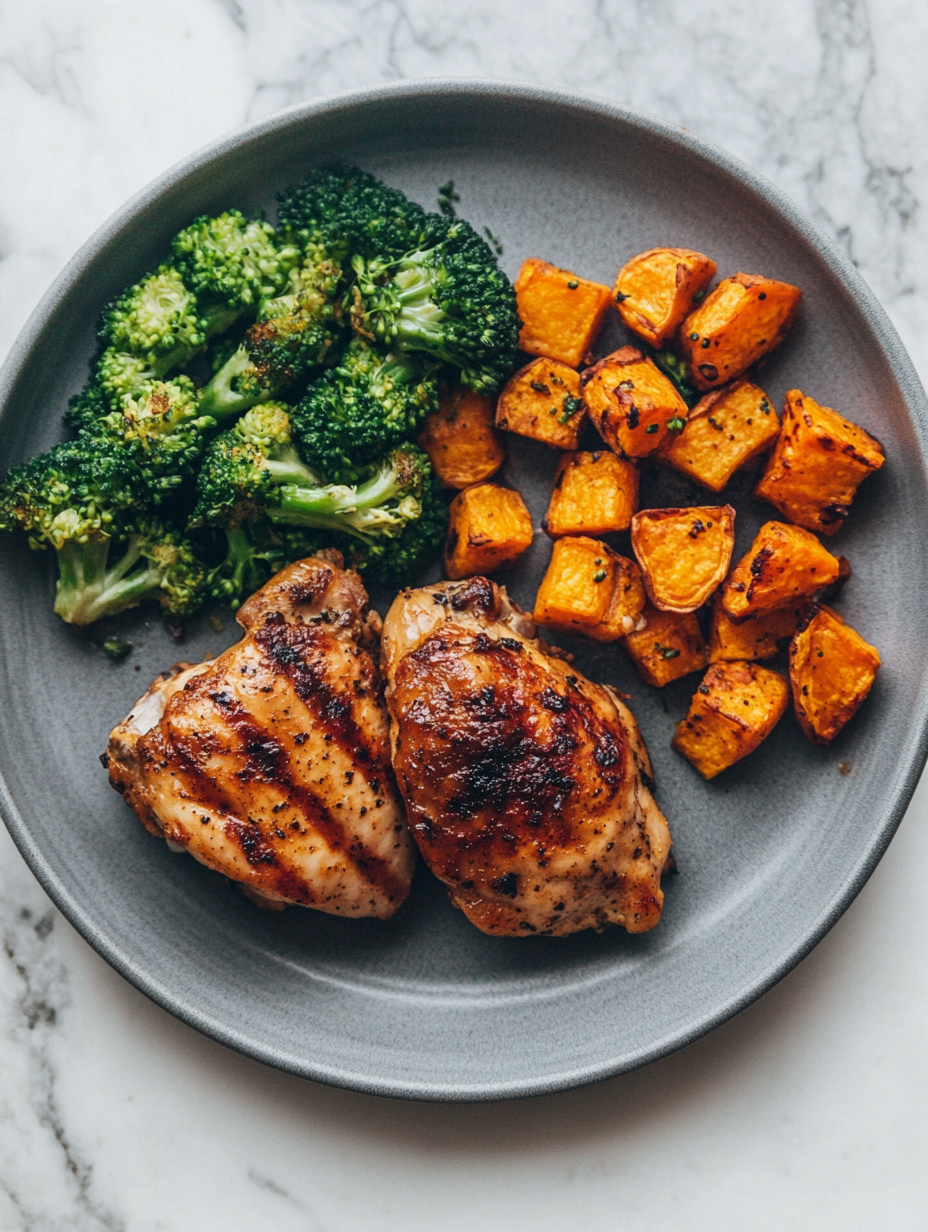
x: 354, y: 212
x: 161, y: 428
x: 157, y: 319
x: 81, y: 499
x: 233, y: 260
x: 448, y: 298
x: 368, y: 403
x: 294, y: 333
x: 88, y: 407
x: 244, y: 469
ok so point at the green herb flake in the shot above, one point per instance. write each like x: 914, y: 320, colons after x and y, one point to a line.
x: 446, y: 198
x: 694, y: 337
x: 571, y: 406
x: 650, y: 429
x: 675, y: 424
x: 573, y: 284
x: 497, y: 245
x: 599, y: 575
x: 115, y: 648
x: 669, y: 652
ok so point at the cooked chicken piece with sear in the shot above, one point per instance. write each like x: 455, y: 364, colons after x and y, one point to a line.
x: 527, y: 787
x: 271, y: 763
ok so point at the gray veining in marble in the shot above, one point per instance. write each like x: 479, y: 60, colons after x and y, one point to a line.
x: 806, y: 1112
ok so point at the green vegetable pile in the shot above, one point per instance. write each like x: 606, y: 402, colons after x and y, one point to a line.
x: 255, y: 399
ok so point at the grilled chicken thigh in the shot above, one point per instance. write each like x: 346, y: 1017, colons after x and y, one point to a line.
x: 271, y: 764
x: 526, y: 786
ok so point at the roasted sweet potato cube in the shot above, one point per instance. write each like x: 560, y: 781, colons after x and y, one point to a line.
x: 543, y: 400
x: 594, y: 493
x: 783, y: 564
x: 590, y: 590
x: 817, y: 465
x: 631, y: 403
x: 463, y: 445
x: 741, y: 320
x: 761, y: 637
x: 490, y: 528
x: 655, y: 290
x: 831, y: 671
x: 735, y: 708
x: 561, y: 313
x: 725, y: 430
x: 684, y: 553
x: 670, y: 645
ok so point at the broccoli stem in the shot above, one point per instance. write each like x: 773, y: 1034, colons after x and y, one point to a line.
x: 87, y: 590
x: 360, y: 511
x: 220, y: 398
x: 285, y: 466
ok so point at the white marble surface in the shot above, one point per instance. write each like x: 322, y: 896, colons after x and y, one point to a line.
x: 807, y: 1112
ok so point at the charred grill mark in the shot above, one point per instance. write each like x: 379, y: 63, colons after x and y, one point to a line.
x: 300, y: 653
x: 267, y: 761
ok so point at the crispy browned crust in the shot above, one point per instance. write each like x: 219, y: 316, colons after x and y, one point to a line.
x: 526, y: 785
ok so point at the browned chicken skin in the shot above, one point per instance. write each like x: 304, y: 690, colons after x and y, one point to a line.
x: 525, y: 784
x: 270, y: 764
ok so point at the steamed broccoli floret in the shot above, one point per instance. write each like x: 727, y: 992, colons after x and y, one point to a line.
x: 255, y: 551
x: 88, y: 407
x: 364, y: 406
x: 233, y: 260
x: 354, y: 212
x: 394, y: 561
x: 154, y: 561
x: 251, y: 474
x: 81, y: 499
x: 245, y: 469
x: 157, y: 319
x: 294, y: 333
x: 448, y: 298
x: 161, y: 428
x: 153, y: 327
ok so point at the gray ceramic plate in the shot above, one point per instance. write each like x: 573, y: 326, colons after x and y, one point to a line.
x: 770, y: 854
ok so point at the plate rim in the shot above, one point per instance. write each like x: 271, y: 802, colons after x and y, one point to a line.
x: 902, y: 790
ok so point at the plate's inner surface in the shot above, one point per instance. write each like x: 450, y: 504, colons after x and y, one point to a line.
x: 425, y: 1003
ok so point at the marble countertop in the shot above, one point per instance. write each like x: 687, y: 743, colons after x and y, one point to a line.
x: 808, y: 1111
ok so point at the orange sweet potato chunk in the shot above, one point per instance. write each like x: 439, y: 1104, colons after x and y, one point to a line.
x: 463, y: 445
x: 656, y: 289
x: 631, y: 403
x: 594, y: 494
x: 725, y: 430
x: 818, y: 463
x: 735, y: 708
x: 831, y: 671
x: 684, y: 554
x: 543, y: 400
x: 561, y: 313
x: 741, y: 320
x: 490, y: 527
x: 783, y: 564
x: 761, y: 637
x: 588, y: 589
x: 668, y: 646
